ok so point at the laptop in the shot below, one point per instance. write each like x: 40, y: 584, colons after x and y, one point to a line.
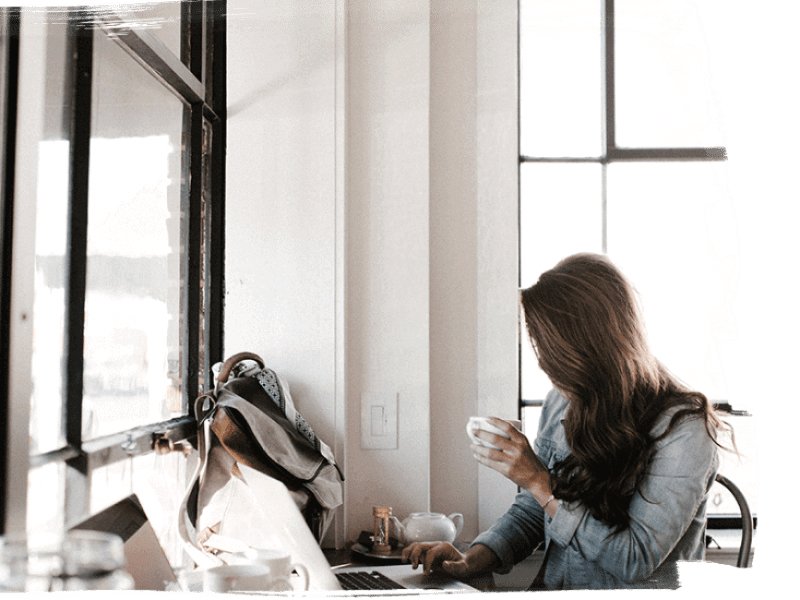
x: 150, y: 569
x: 288, y: 530
x: 145, y: 559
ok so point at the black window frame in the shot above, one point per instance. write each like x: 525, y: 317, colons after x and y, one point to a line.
x: 611, y: 152
x: 9, y: 55
x: 197, y: 77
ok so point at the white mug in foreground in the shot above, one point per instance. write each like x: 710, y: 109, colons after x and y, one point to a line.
x: 237, y: 578
x: 280, y: 565
x: 475, y: 423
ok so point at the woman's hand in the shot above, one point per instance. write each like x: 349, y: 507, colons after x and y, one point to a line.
x: 443, y: 556
x: 514, y: 459
x: 434, y: 556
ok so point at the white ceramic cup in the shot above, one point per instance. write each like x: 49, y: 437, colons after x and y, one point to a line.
x: 191, y: 581
x: 237, y: 578
x: 280, y: 565
x: 476, y: 423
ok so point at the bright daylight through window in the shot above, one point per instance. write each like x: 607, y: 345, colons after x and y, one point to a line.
x: 122, y: 168
x: 623, y: 151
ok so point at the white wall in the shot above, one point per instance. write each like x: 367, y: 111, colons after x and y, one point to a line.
x: 31, y: 111
x: 453, y: 256
x: 372, y: 228
x: 497, y: 232
x: 387, y: 297
x: 473, y: 247
x: 280, y: 255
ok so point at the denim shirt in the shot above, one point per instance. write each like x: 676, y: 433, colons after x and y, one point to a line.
x: 667, y: 515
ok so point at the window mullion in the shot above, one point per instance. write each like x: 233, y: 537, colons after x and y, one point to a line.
x: 9, y: 30
x: 81, y: 41
x: 82, y: 47
x: 192, y: 37
x: 662, y: 154
x: 608, y: 66
x: 604, y: 208
x: 192, y: 198
x: 215, y: 279
x: 155, y: 56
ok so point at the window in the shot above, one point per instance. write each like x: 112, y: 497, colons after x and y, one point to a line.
x: 124, y: 142
x: 622, y: 151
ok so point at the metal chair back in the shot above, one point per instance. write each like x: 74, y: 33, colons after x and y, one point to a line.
x: 747, y: 521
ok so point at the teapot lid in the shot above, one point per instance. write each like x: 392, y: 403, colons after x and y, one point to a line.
x: 426, y: 514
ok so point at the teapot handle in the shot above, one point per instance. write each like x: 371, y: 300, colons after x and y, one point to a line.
x: 400, y: 530
x: 458, y: 521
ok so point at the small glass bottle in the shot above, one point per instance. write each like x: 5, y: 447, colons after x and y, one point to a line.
x: 381, y: 517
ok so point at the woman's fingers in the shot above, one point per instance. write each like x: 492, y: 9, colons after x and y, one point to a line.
x: 436, y: 556
x: 495, y: 440
x: 494, y: 459
x: 414, y: 552
x: 503, y: 425
x: 513, y: 458
x: 492, y: 454
x: 431, y: 555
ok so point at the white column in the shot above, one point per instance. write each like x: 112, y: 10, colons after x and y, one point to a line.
x: 454, y: 342
x: 387, y: 251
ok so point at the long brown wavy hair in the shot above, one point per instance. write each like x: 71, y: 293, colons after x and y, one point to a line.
x: 584, y: 323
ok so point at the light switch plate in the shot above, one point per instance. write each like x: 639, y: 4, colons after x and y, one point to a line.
x: 379, y: 420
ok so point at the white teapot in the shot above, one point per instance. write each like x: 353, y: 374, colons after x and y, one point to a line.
x: 430, y: 527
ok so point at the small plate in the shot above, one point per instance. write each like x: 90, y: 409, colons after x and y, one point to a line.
x: 364, y: 553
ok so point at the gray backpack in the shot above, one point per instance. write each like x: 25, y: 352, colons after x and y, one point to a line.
x: 250, y: 419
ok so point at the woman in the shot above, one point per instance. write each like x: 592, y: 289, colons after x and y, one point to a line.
x: 615, y: 485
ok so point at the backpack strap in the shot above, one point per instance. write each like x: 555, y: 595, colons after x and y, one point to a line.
x: 187, y: 530
x: 227, y: 366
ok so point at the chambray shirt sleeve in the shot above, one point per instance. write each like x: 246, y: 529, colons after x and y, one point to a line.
x: 517, y: 533
x: 660, y: 512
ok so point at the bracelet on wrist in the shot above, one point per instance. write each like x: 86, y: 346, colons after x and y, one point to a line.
x: 548, y: 501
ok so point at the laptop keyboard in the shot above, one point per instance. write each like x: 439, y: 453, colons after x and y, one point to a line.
x: 365, y: 580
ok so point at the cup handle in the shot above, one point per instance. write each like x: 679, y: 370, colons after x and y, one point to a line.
x: 303, y: 572
x: 458, y: 520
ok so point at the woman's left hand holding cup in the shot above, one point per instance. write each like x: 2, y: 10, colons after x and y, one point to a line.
x: 513, y: 457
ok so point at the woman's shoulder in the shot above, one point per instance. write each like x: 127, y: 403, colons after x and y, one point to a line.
x: 682, y: 425
x: 550, y: 443
x: 553, y: 410
x: 554, y: 405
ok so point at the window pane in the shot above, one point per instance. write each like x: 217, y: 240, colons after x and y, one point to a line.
x: 159, y: 482
x: 131, y: 354
x: 109, y: 484
x: 530, y: 421
x: 673, y: 230
x: 560, y: 214
x: 739, y: 469
x: 664, y: 93
x: 45, y: 511
x: 52, y: 199
x: 561, y: 95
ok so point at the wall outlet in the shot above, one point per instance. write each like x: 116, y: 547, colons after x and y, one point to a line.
x: 379, y: 420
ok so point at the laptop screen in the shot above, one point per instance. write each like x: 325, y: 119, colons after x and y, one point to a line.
x: 146, y: 561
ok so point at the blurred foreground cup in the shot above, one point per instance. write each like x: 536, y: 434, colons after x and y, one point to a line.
x: 73, y: 561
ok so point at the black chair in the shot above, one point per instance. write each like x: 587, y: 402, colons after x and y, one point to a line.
x: 747, y: 521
